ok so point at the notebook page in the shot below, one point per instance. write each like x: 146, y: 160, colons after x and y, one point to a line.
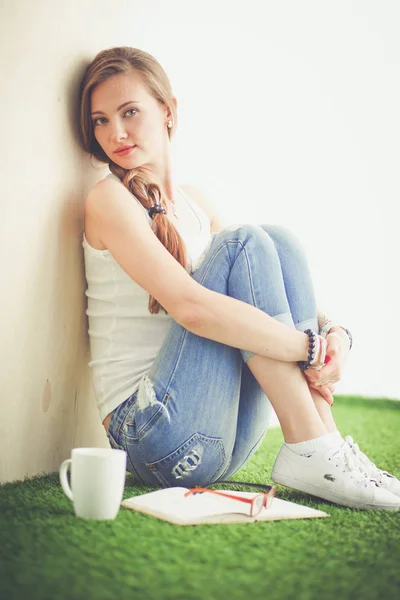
x: 171, y: 502
x: 283, y: 509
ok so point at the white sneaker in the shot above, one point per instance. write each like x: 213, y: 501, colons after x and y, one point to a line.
x: 333, y: 474
x: 383, y: 478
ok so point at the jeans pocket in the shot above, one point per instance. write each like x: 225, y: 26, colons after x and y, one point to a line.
x: 138, y: 423
x: 113, y: 442
x: 196, y: 462
x: 129, y: 465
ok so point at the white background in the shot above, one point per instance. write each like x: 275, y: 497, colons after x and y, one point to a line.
x: 289, y: 114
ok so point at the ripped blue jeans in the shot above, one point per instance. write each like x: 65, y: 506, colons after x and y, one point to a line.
x: 199, y: 414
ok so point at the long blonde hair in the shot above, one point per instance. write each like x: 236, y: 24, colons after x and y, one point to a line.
x: 105, y: 64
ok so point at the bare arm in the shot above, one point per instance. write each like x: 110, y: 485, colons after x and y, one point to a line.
x: 241, y: 325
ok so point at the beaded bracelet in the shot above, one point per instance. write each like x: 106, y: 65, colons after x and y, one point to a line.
x: 306, y: 364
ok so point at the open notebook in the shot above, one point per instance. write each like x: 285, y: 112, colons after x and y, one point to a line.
x: 170, y: 504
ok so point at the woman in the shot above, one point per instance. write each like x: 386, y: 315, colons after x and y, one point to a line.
x: 196, y: 328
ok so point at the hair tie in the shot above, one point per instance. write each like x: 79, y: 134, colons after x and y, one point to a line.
x: 156, y: 208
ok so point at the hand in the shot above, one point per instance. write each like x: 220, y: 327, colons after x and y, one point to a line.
x: 337, y: 349
x: 326, y: 391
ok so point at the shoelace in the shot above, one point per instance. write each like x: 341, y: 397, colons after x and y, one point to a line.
x: 345, y: 457
x: 368, y: 466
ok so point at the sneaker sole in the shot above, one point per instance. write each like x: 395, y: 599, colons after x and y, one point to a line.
x: 300, y: 486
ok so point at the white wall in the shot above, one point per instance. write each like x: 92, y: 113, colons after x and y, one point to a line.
x: 288, y: 113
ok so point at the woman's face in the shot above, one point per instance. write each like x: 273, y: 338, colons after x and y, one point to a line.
x: 141, y: 121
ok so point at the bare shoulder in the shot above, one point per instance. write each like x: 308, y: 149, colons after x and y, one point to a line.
x: 206, y: 204
x: 105, y: 200
x: 101, y: 187
x: 109, y: 194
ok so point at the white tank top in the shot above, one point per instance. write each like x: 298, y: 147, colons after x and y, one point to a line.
x: 124, y: 336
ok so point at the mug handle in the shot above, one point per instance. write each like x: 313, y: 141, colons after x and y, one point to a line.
x: 64, y: 479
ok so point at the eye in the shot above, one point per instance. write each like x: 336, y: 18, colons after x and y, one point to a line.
x: 94, y: 122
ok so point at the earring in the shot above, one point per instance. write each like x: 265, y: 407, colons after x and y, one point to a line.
x: 169, y: 124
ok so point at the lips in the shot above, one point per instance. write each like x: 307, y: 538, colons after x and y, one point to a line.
x: 123, y: 148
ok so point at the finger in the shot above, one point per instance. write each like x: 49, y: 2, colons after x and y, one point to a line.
x: 333, y: 343
x: 311, y: 376
x: 327, y: 384
x: 323, y: 374
x: 322, y: 383
x: 326, y: 394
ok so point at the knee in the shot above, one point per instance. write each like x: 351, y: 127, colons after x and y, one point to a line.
x: 243, y: 232
x: 241, y: 227
x: 283, y: 236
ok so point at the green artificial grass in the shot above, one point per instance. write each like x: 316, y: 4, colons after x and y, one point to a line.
x: 49, y: 554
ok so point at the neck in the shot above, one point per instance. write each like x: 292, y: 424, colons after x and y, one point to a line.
x: 168, y: 189
x: 161, y: 174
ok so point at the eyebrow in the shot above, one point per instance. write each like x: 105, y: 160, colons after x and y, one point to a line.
x: 119, y: 107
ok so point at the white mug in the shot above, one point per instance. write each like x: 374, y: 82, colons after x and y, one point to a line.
x: 97, y: 481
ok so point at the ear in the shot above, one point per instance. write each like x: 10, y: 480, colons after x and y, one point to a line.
x: 168, y: 113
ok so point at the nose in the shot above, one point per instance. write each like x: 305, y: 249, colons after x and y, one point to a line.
x: 118, y: 132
